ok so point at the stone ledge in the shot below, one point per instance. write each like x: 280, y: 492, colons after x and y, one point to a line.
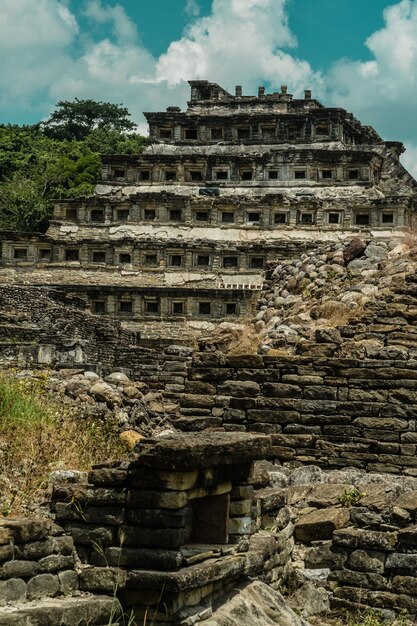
x: 202, y: 450
x: 95, y: 611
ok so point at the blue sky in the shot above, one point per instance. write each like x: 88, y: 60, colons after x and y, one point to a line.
x: 359, y: 54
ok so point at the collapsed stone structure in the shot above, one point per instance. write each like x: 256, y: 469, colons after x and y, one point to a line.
x: 188, y: 520
x: 184, y: 230
x: 173, y: 239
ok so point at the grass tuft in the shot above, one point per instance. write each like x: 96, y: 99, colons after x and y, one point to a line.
x: 40, y: 433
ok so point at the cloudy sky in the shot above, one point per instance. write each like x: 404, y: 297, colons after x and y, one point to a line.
x: 359, y: 54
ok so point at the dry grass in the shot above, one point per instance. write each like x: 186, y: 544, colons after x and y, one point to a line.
x: 233, y: 339
x: 38, y: 433
x: 333, y: 313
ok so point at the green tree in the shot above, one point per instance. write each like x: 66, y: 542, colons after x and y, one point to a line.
x: 36, y: 171
x: 107, y: 141
x: 77, y: 119
x: 45, y: 162
x: 22, y: 207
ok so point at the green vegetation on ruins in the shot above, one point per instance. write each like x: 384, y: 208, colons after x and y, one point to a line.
x: 59, y: 158
x: 39, y: 433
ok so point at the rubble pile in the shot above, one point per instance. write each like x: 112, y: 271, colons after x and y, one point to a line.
x: 327, y: 287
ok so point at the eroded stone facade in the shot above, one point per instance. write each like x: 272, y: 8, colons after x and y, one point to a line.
x: 184, y: 230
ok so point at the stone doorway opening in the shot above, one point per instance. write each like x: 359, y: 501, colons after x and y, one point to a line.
x: 210, y: 516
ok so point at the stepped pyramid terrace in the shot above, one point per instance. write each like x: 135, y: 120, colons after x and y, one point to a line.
x: 177, y: 238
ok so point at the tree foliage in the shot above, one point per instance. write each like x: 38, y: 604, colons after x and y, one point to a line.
x: 38, y: 166
x: 77, y: 119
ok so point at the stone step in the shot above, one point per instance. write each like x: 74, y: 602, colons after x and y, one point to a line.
x: 68, y: 611
x: 197, y: 423
x: 192, y: 412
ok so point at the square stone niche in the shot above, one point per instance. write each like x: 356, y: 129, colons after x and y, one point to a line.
x: 175, y: 521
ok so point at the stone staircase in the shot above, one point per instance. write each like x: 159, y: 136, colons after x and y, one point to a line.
x: 39, y: 583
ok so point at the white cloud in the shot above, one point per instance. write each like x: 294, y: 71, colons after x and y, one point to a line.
x: 34, y: 42
x: 383, y: 91
x: 241, y: 42
x: 192, y: 8
x: 124, y: 29
x: 30, y: 25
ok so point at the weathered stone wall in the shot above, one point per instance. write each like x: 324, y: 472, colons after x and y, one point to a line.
x: 327, y: 411
x: 47, y: 327
x: 329, y: 540
x: 172, y: 528
x: 39, y: 583
x: 353, y: 538
x: 160, y: 369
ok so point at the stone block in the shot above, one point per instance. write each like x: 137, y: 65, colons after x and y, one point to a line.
x: 234, y: 416
x: 245, y: 360
x: 89, y: 514
x: 324, y: 556
x: 191, y: 577
x: 143, y: 558
x: 259, y: 375
x: 12, y: 591
x: 153, y: 479
x: 86, y: 534
x: 19, y: 569
x: 302, y: 380
x: 320, y: 392
x: 281, y: 390
x: 94, y: 611
x: 211, y: 374
x: 381, y: 423
x: 240, y: 526
x: 160, y: 518
x: 207, y: 359
x: 240, y: 389
x: 320, y: 524
x: 41, y: 586
x: 241, y: 491
x: 271, y: 499
x: 365, y: 580
x: 55, y: 562
x: 367, y: 561
x: 7, y: 552
x: 199, y: 387
x: 407, y: 501
x: 153, y: 537
x: 367, y: 539
x: 198, y: 401
x: 65, y: 545
x: 68, y: 582
x: 26, y: 529
x: 273, y: 416
x: 5, y: 536
x: 359, y: 597
x: 405, y: 584
x: 408, y: 536
x: 156, y: 499
x: 402, y: 563
x: 107, y: 477
x: 202, y: 450
x: 240, y: 508
x: 36, y: 549
x: 103, y: 580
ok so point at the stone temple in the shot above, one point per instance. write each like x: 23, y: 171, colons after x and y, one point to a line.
x: 178, y: 236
